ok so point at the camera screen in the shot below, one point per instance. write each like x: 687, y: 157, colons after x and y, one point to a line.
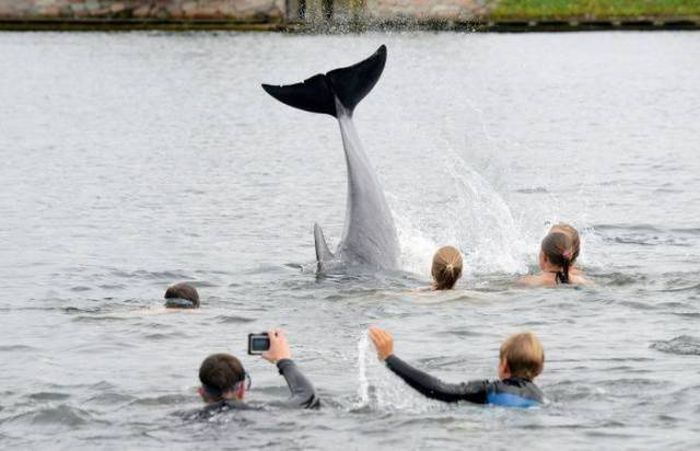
x: 260, y: 344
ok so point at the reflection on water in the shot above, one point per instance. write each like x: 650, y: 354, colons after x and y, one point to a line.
x: 133, y: 161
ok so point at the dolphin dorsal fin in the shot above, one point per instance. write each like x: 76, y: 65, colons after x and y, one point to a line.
x: 322, y: 252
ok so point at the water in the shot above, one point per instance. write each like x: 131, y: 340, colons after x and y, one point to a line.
x: 133, y: 161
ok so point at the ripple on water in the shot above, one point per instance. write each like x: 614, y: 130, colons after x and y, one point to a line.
x: 682, y: 345
x: 163, y: 400
x: 691, y: 288
x: 10, y: 348
x: 61, y: 415
x: 231, y: 319
x: 49, y: 396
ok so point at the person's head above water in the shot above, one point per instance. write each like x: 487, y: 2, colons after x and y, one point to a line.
x: 447, y: 268
x: 222, y: 377
x: 521, y: 355
x: 556, y: 255
x: 181, y: 295
x: 569, y: 230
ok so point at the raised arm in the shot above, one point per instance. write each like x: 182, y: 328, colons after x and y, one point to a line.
x: 303, y: 392
x: 424, y: 383
x: 434, y: 388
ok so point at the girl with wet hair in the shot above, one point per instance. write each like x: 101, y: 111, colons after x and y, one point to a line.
x: 572, y: 233
x: 556, y: 256
x: 447, y: 268
x: 555, y: 261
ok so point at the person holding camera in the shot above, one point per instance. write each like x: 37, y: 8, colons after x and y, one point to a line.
x: 225, y: 382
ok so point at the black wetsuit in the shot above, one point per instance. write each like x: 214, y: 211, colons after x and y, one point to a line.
x: 303, y: 395
x: 512, y: 392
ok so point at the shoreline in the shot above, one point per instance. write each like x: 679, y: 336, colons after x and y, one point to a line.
x: 514, y: 25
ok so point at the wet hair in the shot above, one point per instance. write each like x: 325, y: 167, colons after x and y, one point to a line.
x: 177, y: 295
x: 220, y: 373
x: 568, y: 229
x: 524, y: 355
x: 557, y: 248
x: 447, y: 267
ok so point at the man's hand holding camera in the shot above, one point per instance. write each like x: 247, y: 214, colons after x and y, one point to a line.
x: 279, y: 348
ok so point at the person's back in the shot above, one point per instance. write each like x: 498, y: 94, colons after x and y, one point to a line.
x: 521, y: 360
x: 225, y: 383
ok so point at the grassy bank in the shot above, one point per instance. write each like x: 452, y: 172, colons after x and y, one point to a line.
x: 593, y: 9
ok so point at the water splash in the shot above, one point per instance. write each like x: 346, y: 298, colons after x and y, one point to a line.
x: 468, y: 213
x: 363, y: 388
x: 380, y: 389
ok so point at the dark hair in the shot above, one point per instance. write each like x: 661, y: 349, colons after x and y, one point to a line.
x: 568, y: 229
x: 447, y: 267
x: 182, y: 291
x: 557, y: 248
x: 220, y: 373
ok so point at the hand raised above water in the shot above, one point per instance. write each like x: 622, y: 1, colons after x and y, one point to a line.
x: 279, y: 348
x: 383, y: 341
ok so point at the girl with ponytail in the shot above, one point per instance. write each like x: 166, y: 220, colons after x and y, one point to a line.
x: 556, y: 260
x: 572, y: 233
x: 447, y: 268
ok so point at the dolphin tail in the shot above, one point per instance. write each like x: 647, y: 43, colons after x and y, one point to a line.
x: 349, y: 84
x: 322, y: 252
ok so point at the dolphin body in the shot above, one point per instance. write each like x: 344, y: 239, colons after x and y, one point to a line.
x: 369, y: 236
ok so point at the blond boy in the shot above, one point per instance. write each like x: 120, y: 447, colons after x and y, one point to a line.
x: 521, y: 361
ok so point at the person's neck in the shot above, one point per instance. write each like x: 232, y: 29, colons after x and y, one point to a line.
x: 551, y: 269
x: 224, y: 398
x: 510, y: 376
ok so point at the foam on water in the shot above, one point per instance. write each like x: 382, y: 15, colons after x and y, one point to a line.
x: 472, y: 216
x: 380, y: 389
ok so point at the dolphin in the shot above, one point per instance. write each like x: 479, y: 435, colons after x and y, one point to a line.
x: 369, y: 238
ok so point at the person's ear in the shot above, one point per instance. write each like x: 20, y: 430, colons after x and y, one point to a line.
x: 200, y: 392
x: 503, y: 368
x: 240, y: 391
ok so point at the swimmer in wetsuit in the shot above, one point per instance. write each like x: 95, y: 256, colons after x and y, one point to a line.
x: 521, y: 360
x: 225, y: 382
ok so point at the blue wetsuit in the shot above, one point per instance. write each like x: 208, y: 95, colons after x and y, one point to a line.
x: 512, y: 392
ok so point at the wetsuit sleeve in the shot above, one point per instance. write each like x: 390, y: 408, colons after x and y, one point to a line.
x: 432, y: 387
x: 303, y: 392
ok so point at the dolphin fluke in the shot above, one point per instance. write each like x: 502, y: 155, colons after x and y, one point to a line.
x: 369, y: 234
x: 349, y: 84
x: 323, y: 254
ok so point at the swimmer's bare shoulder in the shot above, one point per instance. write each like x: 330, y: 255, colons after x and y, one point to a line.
x: 579, y: 279
x: 528, y: 281
x: 535, y: 281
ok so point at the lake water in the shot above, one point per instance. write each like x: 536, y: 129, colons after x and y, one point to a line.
x: 132, y: 161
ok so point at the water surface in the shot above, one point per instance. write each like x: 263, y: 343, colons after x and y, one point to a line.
x: 133, y: 161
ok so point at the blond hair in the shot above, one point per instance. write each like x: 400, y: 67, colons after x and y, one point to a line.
x: 447, y: 267
x: 524, y: 355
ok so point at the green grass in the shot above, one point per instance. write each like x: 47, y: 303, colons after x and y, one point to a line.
x: 592, y: 9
